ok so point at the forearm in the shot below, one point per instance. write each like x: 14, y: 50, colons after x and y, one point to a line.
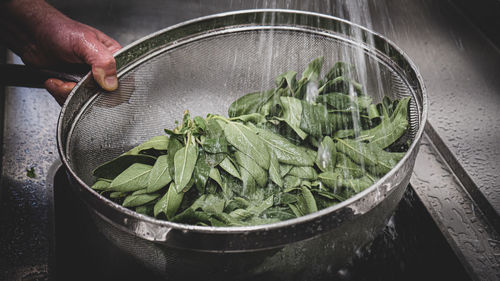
x: 21, y: 22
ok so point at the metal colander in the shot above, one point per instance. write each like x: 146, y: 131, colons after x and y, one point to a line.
x: 203, y: 65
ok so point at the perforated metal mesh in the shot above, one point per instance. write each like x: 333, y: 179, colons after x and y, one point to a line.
x: 205, y: 76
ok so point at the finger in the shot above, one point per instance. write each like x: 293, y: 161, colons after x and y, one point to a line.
x: 59, y: 89
x: 95, y: 53
x: 109, y: 42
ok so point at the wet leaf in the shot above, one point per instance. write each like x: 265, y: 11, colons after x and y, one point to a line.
x: 101, y: 185
x: 246, y: 141
x: 327, y: 155
x: 133, y: 178
x: 304, y: 172
x: 135, y: 200
x: 113, y: 168
x: 274, y: 170
x: 184, y: 162
x: 286, y: 152
x: 292, y: 112
x: 215, y: 175
x: 201, y: 171
x: 159, y: 176
x: 157, y: 143
x: 249, y: 103
x: 257, y: 172
x: 169, y: 203
x: 228, y: 166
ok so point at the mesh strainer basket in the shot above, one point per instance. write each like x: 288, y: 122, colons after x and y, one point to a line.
x: 202, y: 65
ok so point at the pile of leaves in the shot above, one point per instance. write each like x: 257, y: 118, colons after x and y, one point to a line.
x: 303, y: 146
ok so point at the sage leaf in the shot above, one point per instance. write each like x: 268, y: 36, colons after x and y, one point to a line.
x: 306, y: 202
x: 201, y: 171
x: 159, y: 176
x: 113, y: 168
x: 184, y: 162
x: 133, y: 178
x: 286, y: 152
x: 292, y: 112
x: 304, y: 172
x: 135, y: 200
x: 274, y: 170
x: 228, y: 166
x: 169, y: 203
x: 252, y: 167
x: 313, y: 70
x: 157, y: 143
x: 215, y: 175
x: 327, y: 155
x: 101, y: 185
x: 249, y: 103
x: 173, y: 146
x: 246, y: 141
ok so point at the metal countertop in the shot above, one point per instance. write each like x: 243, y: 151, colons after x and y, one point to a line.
x: 456, y: 179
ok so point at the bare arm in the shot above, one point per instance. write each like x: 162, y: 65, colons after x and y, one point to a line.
x: 44, y: 37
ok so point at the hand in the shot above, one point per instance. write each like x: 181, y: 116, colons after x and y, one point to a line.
x: 53, y: 40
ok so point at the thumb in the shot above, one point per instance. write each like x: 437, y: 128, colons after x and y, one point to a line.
x: 95, y: 53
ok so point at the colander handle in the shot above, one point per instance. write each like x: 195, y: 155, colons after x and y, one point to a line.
x: 25, y: 76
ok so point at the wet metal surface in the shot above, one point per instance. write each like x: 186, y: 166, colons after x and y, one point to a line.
x: 460, y: 68
x: 464, y: 226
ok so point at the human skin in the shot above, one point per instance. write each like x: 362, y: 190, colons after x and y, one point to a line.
x: 44, y: 37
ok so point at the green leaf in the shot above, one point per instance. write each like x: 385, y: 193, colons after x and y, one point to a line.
x: 157, y: 143
x: 117, y: 194
x: 228, y: 166
x: 133, y: 178
x: 378, y: 161
x: 135, y: 200
x: 249, y: 184
x: 347, y: 168
x: 113, y: 168
x: 249, y: 103
x: 344, y: 102
x: 215, y: 141
x: 274, y: 170
x: 262, y: 206
x: 388, y: 132
x: 215, y: 175
x: 173, y: 146
x: 315, y: 120
x: 313, y: 70
x: 212, y: 204
x: 159, y: 176
x: 357, y: 185
x: 145, y: 209
x: 184, y: 162
x: 292, y: 112
x: 286, y: 152
x: 296, y: 210
x: 304, y: 172
x: 291, y: 182
x: 359, y: 152
x: 306, y: 202
x: 252, y: 167
x: 285, y: 169
x: 255, y: 118
x: 169, y: 203
x: 287, y: 80
x: 246, y: 141
x: 327, y: 155
x: 101, y: 185
x: 330, y: 179
x: 339, y: 69
x: 201, y: 171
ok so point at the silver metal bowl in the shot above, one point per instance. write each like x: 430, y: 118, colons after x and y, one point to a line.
x: 202, y: 65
